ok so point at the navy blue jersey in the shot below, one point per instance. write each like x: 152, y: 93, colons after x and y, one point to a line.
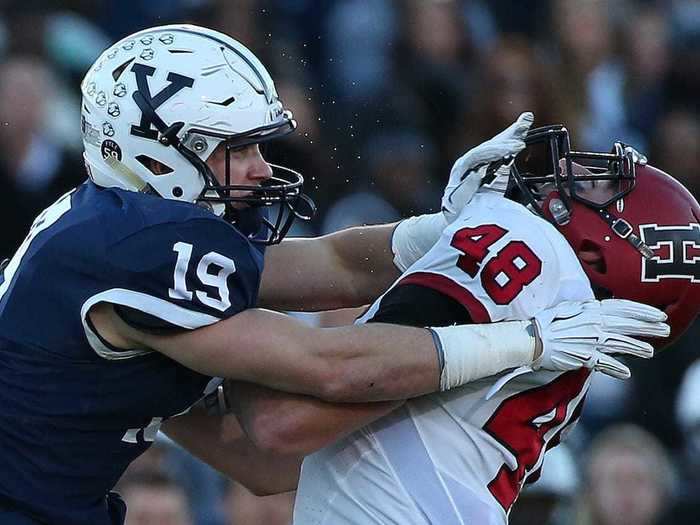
x: 74, y: 411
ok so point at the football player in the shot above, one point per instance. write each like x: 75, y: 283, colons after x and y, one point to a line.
x: 603, y: 224
x: 132, y: 291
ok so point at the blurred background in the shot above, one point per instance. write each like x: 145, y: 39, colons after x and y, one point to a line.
x: 388, y: 93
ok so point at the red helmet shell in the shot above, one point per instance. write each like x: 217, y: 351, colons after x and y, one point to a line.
x: 666, y: 216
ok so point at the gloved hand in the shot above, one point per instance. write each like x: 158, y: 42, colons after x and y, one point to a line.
x: 414, y: 236
x: 468, y: 171
x: 576, y: 335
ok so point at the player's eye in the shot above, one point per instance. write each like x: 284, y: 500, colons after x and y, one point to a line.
x: 243, y: 150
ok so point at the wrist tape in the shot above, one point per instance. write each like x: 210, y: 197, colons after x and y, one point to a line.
x: 471, y: 352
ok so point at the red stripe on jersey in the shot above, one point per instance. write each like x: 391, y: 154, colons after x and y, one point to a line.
x: 450, y: 288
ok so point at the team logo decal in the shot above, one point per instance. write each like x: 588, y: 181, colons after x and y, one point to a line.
x: 147, y: 54
x: 111, y: 149
x: 177, y: 83
x: 119, y: 90
x: 113, y: 109
x: 677, y: 252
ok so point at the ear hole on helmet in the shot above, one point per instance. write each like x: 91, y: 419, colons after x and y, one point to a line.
x: 590, y: 255
x: 118, y: 71
x: 154, y: 166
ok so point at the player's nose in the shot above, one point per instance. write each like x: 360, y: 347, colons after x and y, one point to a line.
x: 259, y: 170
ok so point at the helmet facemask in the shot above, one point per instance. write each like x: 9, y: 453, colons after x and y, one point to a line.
x: 593, y: 179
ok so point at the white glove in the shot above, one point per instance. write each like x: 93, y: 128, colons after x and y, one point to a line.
x: 468, y: 171
x: 414, y: 236
x: 576, y: 335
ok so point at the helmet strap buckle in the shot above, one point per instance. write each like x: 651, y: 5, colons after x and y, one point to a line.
x: 624, y: 230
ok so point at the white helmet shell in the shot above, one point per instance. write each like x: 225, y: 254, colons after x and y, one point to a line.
x: 203, y: 85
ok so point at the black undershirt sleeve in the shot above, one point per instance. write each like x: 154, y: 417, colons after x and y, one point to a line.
x: 415, y: 305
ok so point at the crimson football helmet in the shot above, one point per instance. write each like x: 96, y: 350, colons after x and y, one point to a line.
x: 635, y: 229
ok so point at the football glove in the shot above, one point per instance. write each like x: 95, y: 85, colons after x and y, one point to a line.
x: 414, y: 236
x: 576, y: 335
x: 585, y: 334
x: 469, y: 170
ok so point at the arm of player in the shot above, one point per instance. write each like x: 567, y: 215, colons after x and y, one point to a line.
x: 352, y: 363
x: 381, y: 362
x: 344, y: 269
x: 221, y: 443
x: 283, y: 423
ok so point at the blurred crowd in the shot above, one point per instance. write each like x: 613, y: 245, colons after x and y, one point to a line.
x: 388, y: 93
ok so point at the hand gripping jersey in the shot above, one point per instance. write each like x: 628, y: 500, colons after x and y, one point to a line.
x: 455, y: 457
x: 74, y: 411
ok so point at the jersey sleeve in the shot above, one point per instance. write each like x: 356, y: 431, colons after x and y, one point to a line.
x: 180, y: 274
x: 399, y: 306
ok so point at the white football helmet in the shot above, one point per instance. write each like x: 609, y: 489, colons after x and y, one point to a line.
x: 157, y: 103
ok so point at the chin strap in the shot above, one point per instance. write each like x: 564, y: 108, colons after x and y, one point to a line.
x: 624, y: 230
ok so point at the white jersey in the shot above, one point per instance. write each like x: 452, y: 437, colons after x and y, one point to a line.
x: 454, y: 457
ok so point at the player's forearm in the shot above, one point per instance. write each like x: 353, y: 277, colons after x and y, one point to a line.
x: 345, y: 269
x: 365, y: 254
x: 221, y: 443
x: 349, y: 364
x: 353, y: 363
x: 360, y: 363
x: 284, y: 423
